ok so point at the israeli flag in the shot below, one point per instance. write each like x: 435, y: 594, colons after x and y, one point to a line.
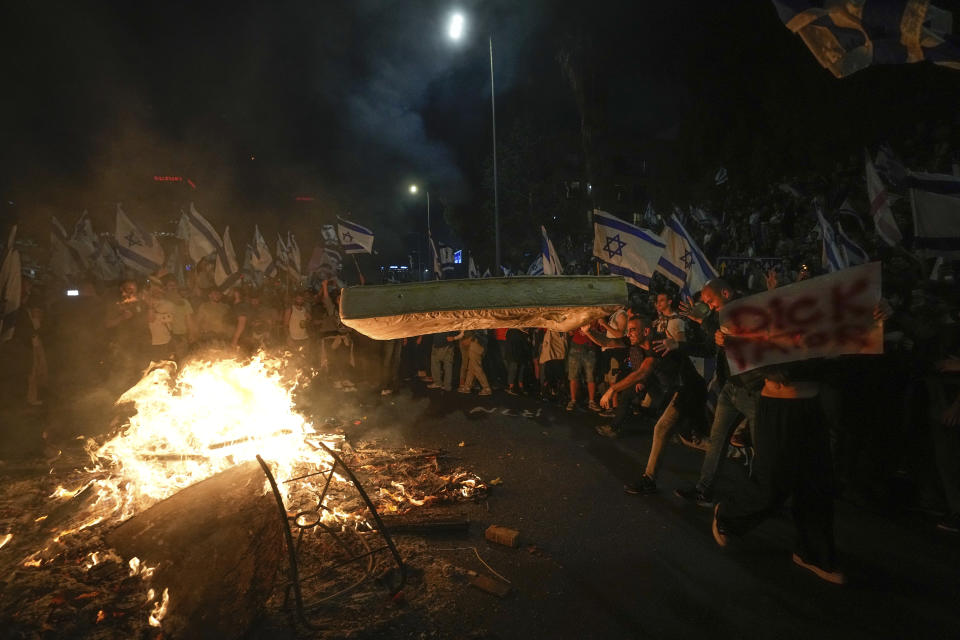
x: 138, y: 250
x: 354, y: 238
x: 260, y: 259
x: 629, y: 251
x: 226, y: 273
x: 293, y: 257
x: 832, y: 257
x: 551, y: 262
x: 536, y: 267
x: 853, y: 254
x: 202, y: 239
x: 682, y: 262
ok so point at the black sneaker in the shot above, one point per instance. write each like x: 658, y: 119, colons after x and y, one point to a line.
x: 694, y: 495
x: 644, y: 486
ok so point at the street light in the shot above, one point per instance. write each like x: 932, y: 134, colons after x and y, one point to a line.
x: 455, y: 31
x: 414, y: 189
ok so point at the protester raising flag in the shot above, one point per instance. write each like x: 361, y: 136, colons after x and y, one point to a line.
x: 138, y: 250
x: 551, y: 261
x: 10, y: 283
x: 354, y: 238
x: 629, y: 251
x: 846, y: 37
x: 936, y: 213
x: 226, y: 273
x: 880, y: 211
x: 831, y: 256
x: 199, y: 234
x: 260, y: 259
x: 682, y: 261
x: 853, y: 254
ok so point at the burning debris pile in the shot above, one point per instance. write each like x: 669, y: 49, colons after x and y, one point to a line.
x: 72, y: 568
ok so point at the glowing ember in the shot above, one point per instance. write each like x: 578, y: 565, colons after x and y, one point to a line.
x: 5, y: 538
x: 160, y: 609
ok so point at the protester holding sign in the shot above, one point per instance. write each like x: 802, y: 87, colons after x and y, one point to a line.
x: 788, y: 330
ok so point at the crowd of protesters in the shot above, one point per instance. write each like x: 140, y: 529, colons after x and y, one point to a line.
x: 886, y: 427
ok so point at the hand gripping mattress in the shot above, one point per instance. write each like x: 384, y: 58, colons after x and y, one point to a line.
x: 560, y: 303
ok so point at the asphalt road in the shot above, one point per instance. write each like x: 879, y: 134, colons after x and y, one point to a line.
x: 595, y: 562
x: 612, y: 565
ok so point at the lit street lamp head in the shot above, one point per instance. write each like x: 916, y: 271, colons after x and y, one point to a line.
x: 455, y: 30
x: 413, y: 188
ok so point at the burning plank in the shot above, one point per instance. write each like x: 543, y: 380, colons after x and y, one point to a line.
x: 216, y: 546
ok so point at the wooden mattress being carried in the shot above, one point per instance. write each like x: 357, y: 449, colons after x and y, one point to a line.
x: 561, y: 303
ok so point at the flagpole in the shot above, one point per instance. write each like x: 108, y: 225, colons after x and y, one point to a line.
x: 359, y: 273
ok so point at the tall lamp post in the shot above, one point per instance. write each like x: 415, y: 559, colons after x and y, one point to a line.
x: 414, y: 189
x: 455, y: 31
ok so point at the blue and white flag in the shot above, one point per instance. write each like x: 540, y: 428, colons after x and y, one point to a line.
x: 260, y: 259
x: 936, y: 213
x: 137, y: 249
x: 84, y: 242
x: 831, y: 258
x: 853, y: 254
x: 226, y: 273
x: 446, y: 259
x: 65, y: 260
x: 10, y: 286
x: 846, y: 37
x: 280, y: 255
x: 682, y: 262
x: 550, y: 259
x: 880, y: 212
x: 629, y: 251
x: 354, y: 238
x: 536, y: 267
x: 293, y: 262
x: 202, y: 239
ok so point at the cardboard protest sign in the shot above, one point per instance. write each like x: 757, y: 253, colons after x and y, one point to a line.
x: 825, y: 316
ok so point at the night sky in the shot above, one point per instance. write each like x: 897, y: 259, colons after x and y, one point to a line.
x: 350, y: 102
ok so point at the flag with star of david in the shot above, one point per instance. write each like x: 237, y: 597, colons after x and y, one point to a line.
x: 137, y: 249
x: 628, y: 250
x: 682, y: 262
x: 354, y: 238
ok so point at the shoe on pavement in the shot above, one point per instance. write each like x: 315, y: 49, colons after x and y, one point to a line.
x: 571, y: 405
x: 434, y: 386
x: 386, y: 392
x: 694, y: 442
x: 511, y: 391
x: 593, y: 406
x: 463, y: 390
x: 485, y: 392
x: 607, y: 413
x: 718, y: 533
x: 694, y: 495
x: 644, y: 486
x: 607, y: 430
x: 834, y: 577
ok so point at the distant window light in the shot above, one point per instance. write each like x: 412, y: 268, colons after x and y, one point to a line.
x: 73, y: 292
